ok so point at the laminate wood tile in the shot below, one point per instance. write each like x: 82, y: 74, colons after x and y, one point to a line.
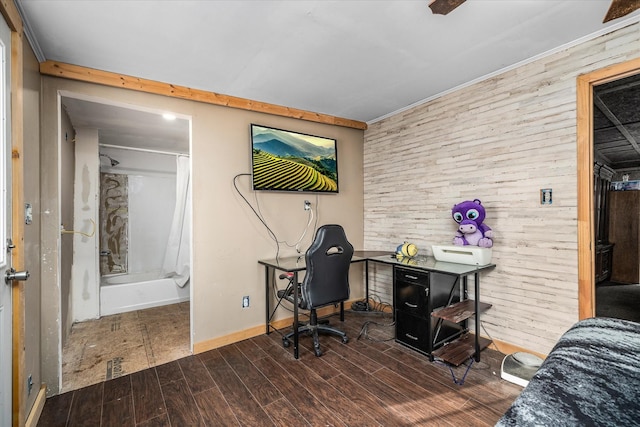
x: 118, y: 413
x: 336, y: 402
x: 302, y: 399
x: 257, y: 382
x: 56, y: 410
x: 196, y: 375
x: 263, y: 391
x: 117, y: 388
x: 159, y: 421
x: 364, y: 399
x: 283, y: 414
x: 86, y: 406
x: 214, y: 409
x: 240, y: 399
x: 181, y: 406
x: 147, y: 397
x: 169, y: 372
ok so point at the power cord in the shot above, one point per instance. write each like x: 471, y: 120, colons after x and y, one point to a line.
x: 258, y: 213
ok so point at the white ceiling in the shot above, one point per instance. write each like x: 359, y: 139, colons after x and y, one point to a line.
x: 359, y: 60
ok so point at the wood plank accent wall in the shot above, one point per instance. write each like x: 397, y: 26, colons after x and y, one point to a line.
x: 76, y: 72
x: 501, y: 141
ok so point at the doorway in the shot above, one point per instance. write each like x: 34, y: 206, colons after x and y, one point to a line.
x: 137, y: 315
x: 585, y: 173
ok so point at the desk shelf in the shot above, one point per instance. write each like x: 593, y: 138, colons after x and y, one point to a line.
x: 460, y: 350
x: 461, y: 311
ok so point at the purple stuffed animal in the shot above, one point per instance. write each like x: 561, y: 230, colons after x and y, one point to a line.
x: 471, y: 231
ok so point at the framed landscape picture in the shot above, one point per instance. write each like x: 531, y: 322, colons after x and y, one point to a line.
x: 284, y: 160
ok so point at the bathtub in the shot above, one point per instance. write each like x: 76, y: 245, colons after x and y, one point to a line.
x: 128, y: 292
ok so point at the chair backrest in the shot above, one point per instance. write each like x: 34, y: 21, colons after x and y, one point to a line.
x: 328, y: 259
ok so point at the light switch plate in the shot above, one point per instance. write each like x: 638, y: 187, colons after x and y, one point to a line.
x: 546, y: 196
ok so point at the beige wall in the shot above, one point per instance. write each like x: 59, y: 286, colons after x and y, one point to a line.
x: 500, y: 140
x: 31, y: 149
x: 227, y: 237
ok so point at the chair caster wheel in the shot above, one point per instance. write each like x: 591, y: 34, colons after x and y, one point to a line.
x: 345, y: 340
x: 318, y: 352
x: 285, y: 343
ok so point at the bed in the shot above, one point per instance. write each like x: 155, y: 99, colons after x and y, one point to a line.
x: 590, y: 377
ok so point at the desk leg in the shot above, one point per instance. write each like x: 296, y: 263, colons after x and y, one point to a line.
x: 476, y: 280
x: 295, y: 314
x: 267, y: 298
x: 366, y: 283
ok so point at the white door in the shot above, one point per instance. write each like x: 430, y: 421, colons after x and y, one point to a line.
x: 5, y: 225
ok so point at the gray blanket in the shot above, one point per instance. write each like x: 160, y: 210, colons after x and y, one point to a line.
x: 590, y: 378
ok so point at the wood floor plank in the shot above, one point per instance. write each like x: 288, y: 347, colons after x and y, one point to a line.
x: 159, y: 421
x: 330, y: 397
x: 320, y: 366
x: 283, y: 414
x: 117, y: 388
x: 364, y: 399
x: 240, y: 399
x: 169, y: 372
x: 302, y: 399
x: 181, y: 407
x: 147, y: 397
x: 195, y: 373
x: 118, y: 412
x: 56, y: 410
x: 214, y: 409
x: 390, y: 397
x: 86, y: 405
x: 262, y: 389
x: 250, y: 349
x: 427, y: 404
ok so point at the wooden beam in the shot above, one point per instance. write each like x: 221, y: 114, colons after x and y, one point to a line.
x: 76, y: 72
x: 17, y: 232
x: 10, y: 13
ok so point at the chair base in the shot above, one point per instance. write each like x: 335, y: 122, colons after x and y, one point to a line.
x: 314, y: 329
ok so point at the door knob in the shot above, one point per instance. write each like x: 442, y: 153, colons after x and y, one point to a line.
x: 12, y: 275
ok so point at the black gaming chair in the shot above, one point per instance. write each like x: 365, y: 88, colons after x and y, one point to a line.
x: 326, y: 281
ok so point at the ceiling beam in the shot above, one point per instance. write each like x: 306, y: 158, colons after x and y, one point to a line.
x: 90, y: 75
x: 623, y: 130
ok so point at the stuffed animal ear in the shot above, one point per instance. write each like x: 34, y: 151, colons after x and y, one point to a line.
x: 477, y: 201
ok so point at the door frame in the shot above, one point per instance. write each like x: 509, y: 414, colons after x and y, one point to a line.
x: 13, y: 20
x: 584, y: 129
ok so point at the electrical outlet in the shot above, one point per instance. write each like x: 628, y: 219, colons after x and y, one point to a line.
x: 307, y: 205
x: 245, y: 301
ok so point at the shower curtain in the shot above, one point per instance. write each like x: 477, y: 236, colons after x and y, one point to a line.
x: 177, y: 256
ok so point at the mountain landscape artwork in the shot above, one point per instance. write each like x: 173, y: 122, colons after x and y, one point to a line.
x: 291, y: 161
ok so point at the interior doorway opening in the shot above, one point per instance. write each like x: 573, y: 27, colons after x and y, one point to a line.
x: 586, y: 202
x: 128, y: 306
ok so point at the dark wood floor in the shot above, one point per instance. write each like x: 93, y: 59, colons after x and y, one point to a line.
x: 258, y: 383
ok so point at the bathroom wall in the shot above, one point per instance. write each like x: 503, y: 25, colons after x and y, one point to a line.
x: 85, y: 291
x: 151, y: 200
